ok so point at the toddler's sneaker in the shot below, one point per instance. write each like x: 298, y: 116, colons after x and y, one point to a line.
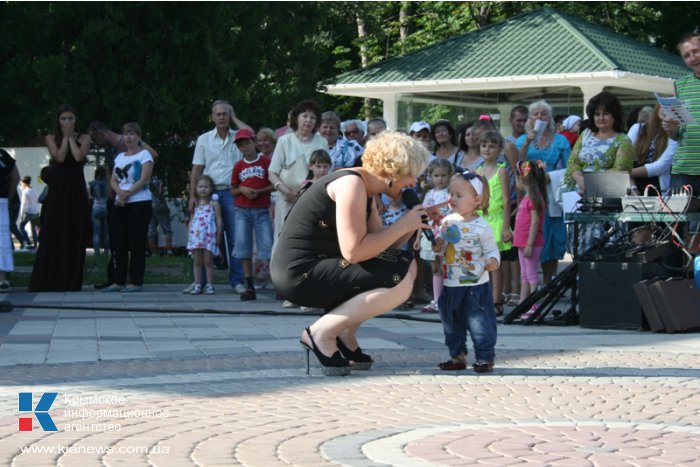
x: 482, y: 366
x: 209, y: 289
x: 430, y: 308
x: 196, y: 290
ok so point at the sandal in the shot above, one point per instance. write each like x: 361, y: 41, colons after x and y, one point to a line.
x: 513, y: 299
x: 451, y: 365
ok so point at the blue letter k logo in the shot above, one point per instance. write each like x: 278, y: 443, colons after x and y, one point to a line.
x: 41, y: 411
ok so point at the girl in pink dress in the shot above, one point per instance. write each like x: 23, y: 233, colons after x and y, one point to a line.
x: 205, y: 234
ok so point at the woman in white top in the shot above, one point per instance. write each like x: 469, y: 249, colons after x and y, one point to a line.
x: 290, y: 161
x: 131, y: 213
x: 653, y: 153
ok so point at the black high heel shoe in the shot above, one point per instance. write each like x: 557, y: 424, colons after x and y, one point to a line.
x: 335, y: 365
x: 362, y: 360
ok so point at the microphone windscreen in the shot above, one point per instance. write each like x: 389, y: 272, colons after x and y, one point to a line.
x: 410, y: 198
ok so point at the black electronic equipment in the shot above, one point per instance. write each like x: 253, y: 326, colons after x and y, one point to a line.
x: 605, y: 190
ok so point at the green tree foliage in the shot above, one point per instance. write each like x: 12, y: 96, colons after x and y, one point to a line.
x: 162, y: 64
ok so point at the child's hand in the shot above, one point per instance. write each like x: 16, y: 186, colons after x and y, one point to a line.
x: 528, y: 252
x: 439, y: 242
x: 506, y: 236
x: 491, y: 265
x: 416, y: 243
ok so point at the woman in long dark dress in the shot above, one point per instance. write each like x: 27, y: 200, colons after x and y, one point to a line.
x: 65, y: 215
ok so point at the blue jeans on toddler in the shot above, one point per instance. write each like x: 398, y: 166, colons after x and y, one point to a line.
x: 470, y: 309
x: 249, y: 220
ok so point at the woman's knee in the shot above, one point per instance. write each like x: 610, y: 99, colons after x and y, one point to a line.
x: 405, y: 287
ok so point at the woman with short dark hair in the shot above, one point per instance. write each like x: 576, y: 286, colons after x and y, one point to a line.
x: 290, y: 161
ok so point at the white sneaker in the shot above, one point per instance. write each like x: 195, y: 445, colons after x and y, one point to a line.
x: 239, y: 289
x: 287, y: 304
x: 5, y: 286
x: 209, y: 289
x: 196, y: 290
x: 306, y: 309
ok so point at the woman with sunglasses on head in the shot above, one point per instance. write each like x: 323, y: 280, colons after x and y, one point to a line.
x: 333, y: 252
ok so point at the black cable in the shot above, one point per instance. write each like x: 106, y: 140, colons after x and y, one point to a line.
x: 6, y: 306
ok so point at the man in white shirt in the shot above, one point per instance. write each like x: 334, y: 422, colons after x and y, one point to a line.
x: 214, y: 155
x: 29, y: 211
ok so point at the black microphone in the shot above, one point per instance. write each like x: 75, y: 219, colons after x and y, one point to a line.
x: 410, y: 199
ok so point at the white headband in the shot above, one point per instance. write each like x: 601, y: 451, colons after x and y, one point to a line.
x: 478, y: 185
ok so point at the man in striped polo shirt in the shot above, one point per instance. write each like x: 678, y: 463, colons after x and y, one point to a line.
x: 686, y: 162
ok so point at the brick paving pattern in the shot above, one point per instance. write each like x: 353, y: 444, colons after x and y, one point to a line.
x: 216, y: 389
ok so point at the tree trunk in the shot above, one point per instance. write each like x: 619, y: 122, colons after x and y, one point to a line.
x: 404, y: 24
x: 364, y: 60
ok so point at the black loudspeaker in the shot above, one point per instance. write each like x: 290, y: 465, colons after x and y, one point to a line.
x: 607, y: 297
x: 651, y: 313
x: 677, y: 303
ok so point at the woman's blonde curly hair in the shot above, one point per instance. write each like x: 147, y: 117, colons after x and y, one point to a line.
x: 393, y: 154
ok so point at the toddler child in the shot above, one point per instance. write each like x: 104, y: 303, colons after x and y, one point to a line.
x: 469, y: 252
x: 391, y: 211
x: 439, y: 171
x: 205, y: 234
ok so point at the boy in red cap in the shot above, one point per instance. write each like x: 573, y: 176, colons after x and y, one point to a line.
x: 251, y: 189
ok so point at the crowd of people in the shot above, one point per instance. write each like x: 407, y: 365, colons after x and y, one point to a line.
x: 353, y: 247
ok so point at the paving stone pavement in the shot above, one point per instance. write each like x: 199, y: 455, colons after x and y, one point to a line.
x: 183, y: 386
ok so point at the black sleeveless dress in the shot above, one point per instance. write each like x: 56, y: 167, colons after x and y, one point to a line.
x: 307, y: 267
x: 65, y: 221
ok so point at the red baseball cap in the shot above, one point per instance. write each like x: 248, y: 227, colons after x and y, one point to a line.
x: 243, y: 133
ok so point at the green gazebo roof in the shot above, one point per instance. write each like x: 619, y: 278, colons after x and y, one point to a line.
x: 543, y: 42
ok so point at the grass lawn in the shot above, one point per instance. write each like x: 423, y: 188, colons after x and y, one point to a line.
x: 159, y: 270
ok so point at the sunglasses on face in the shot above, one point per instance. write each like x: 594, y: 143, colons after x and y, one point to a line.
x: 352, y: 132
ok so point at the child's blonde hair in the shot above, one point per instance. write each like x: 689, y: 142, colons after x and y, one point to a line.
x: 212, y: 185
x: 439, y: 163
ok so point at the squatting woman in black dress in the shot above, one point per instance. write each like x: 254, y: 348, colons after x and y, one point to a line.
x: 334, y: 253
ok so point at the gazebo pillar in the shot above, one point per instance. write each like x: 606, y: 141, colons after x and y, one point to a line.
x: 390, y: 110
x: 588, y: 92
